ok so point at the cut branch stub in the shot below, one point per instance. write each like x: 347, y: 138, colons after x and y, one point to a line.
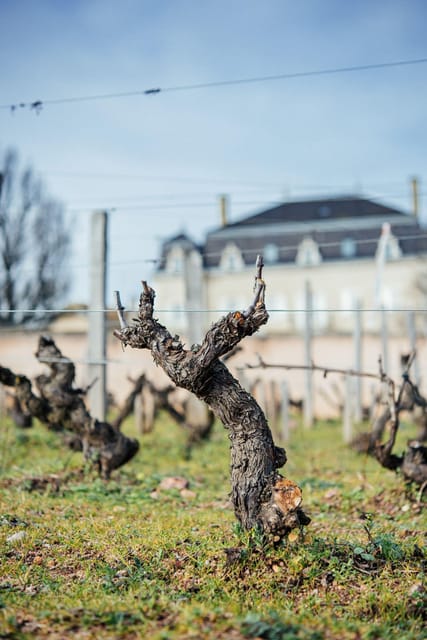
x: 254, y: 457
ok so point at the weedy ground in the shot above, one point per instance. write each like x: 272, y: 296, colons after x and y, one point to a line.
x: 86, y: 559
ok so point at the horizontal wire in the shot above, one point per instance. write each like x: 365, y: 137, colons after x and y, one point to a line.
x: 38, y: 104
x: 69, y: 361
x: 142, y: 201
x: 157, y: 178
x: 216, y: 254
x: 139, y: 202
x: 296, y: 74
x: 115, y: 207
x: 283, y: 248
x: 177, y: 311
x: 186, y: 179
x: 175, y: 205
x: 256, y: 251
x: 254, y: 185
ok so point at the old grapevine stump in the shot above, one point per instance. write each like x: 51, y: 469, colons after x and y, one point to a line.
x: 261, y: 497
x: 59, y: 405
x: 413, y: 462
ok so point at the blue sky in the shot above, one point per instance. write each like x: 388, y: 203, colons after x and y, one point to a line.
x: 159, y: 162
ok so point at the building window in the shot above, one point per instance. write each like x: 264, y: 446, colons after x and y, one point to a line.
x: 388, y: 245
x: 271, y: 253
x: 348, y: 248
x: 324, y: 211
x: 231, y: 259
x: 308, y: 254
x: 175, y: 260
x: 392, y: 251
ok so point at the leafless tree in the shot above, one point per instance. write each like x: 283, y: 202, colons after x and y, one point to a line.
x: 34, y: 245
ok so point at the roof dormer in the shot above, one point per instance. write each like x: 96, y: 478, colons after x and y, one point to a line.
x: 231, y: 258
x: 388, y: 245
x: 175, y: 260
x: 308, y: 254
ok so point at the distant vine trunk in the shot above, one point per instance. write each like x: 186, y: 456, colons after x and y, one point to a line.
x: 412, y: 463
x: 59, y: 406
x: 261, y: 496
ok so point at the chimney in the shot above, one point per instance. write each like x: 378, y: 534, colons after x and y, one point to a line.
x: 415, y: 202
x: 223, y: 201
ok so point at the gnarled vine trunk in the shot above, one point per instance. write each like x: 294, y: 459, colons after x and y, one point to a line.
x: 261, y: 497
x: 413, y: 462
x: 59, y: 406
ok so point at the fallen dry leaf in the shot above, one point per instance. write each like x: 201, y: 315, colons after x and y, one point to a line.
x: 173, y: 482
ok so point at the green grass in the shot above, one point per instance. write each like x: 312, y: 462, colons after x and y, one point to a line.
x: 125, y: 560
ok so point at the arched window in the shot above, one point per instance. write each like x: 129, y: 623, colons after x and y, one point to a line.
x: 348, y: 248
x: 308, y: 254
x: 271, y: 253
x: 175, y: 260
x: 392, y: 250
x: 388, y: 245
x: 231, y: 258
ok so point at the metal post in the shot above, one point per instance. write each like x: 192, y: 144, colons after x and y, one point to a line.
x: 413, y: 342
x: 193, y: 277
x: 358, y: 362
x: 193, y: 284
x: 347, y: 421
x: 272, y: 410
x: 308, y: 397
x: 415, y: 201
x: 384, y: 340
x: 223, y: 200
x: 285, y: 412
x: 97, y: 350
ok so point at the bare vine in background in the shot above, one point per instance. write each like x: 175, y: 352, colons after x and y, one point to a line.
x: 412, y: 464
x: 59, y: 405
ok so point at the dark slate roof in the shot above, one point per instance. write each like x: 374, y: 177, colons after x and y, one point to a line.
x: 324, y: 209
x: 411, y: 242
x: 327, y: 221
x: 182, y: 239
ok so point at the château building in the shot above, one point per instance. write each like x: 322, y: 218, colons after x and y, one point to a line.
x: 349, y: 252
